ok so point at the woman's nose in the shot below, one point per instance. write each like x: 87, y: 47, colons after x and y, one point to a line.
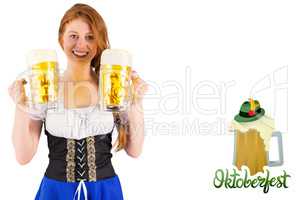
x: 81, y: 43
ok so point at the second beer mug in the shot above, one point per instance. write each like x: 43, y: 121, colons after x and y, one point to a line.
x: 114, y: 81
x: 41, y: 84
x: 253, y: 132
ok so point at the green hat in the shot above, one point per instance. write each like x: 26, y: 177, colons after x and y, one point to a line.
x: 250, y: 111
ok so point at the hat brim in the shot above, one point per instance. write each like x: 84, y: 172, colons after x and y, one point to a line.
x: 239, y: 118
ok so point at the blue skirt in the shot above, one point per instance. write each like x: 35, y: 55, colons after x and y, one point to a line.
x: 105, y: 189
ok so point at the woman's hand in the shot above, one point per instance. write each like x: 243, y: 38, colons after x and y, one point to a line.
x: 140, y: 87
x: 17, y: 92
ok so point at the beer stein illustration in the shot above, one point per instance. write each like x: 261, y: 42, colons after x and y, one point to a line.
x: 115, y: 85
x: 252, y: 134
x: 41, y: 78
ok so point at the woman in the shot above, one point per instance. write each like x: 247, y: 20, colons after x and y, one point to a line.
x: 79, y: 159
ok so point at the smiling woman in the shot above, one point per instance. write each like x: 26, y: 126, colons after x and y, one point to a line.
x: 86, y: 35
x: 78, y: 41
x: 84, y: 162
x: 80, y: 158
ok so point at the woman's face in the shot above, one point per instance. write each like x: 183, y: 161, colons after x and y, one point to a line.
x: 78, y: 41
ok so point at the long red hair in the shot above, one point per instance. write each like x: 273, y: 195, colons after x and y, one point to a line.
x: 97, y: 25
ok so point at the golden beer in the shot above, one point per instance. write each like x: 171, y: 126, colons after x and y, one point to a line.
x: 115, y: 80
x: 115, y: 88
x: 250, y: 151
x: 43, y: 77
x: 44, y: 82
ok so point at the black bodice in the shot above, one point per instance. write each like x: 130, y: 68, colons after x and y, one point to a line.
x: 87, y: 159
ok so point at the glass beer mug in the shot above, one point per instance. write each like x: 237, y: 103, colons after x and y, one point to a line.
x: 252, y: 150
x: 115, y: 86
x: 41, y: 79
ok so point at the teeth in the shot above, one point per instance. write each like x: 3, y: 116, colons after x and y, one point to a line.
x: 77, y: 53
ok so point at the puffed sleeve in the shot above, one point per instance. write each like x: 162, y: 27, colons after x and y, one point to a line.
x: 39, y: 112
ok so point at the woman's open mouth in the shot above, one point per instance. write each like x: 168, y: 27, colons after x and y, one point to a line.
x: 80, y: 54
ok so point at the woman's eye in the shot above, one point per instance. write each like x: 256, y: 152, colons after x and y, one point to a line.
x: 89, y: 37
x: 73, y: 36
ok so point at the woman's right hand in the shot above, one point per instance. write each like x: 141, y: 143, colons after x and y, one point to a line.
x: 17, y: 92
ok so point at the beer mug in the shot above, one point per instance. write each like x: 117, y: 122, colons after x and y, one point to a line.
x: 250, y: 150
x: 115, y: 87
x: 41, y: 78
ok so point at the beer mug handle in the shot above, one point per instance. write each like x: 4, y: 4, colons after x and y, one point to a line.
x: 280, y: 150
x: 131, y: 95
x: 25, y: 77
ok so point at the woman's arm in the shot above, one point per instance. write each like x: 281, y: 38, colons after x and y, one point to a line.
x: 25, y: 136
x: 26, y: 131
x: 135, y: 137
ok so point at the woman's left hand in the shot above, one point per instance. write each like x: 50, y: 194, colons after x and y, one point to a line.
x: 140, y: 87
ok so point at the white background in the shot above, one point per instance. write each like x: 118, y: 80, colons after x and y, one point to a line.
x: 178, y: 47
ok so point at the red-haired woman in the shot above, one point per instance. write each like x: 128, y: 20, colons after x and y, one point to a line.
x: 80, y: 135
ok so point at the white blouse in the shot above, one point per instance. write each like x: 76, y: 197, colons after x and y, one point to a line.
x: 74, y: 123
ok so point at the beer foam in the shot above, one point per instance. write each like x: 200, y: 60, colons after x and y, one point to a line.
x: 265, y: 126
x: 116, y: 57
x: 40, y: 55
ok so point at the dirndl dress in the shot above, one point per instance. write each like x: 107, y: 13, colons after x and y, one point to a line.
x: 79, y: 142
